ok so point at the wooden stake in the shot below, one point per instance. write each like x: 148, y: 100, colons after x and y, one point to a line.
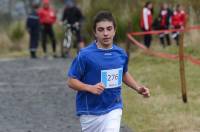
x: 182, y: 67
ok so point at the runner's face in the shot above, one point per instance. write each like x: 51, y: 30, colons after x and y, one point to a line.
x: 105, y: 33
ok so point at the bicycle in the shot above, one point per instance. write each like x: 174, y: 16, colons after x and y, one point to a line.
x: 69, y: 30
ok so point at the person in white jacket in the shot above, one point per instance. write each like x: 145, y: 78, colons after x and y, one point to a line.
x: 146, y: 22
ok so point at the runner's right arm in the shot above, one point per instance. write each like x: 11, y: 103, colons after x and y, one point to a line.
x: 80, y: 86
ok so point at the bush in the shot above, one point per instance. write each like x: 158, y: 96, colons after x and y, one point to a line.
x: 16, y: 33
x: 5, y: 43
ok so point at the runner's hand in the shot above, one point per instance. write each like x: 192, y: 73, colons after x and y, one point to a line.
x: 143, y: 91
x: 96, y: 89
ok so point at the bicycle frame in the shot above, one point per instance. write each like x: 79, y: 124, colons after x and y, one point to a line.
x: 67, y: 42
x: 68, y: 38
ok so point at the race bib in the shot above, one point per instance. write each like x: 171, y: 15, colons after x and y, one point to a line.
x: 112, y: 78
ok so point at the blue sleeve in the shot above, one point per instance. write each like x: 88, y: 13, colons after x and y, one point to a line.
x: 77, y: 68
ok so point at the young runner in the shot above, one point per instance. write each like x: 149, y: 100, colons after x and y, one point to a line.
x: 97, y: 74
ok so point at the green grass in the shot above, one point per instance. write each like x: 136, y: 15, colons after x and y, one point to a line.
x: 164, y: 111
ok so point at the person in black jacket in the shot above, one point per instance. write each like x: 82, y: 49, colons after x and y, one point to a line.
x: 73, y: 16
x: 164, y: 23
x: 33, y: 27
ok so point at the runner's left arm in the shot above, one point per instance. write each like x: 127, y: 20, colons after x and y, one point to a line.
x: 132, y: 83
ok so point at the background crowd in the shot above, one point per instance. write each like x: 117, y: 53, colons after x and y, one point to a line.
x: 42, y: 18
x: 166, y: 19
x: 40, y: 26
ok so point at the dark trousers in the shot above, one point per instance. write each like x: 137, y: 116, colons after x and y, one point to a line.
x: 79, y: 38
x: 147, y: 40
x: 34, y: 40
x: 176, y: 35
x: 164, y: 38
x: 47, y: 30
x: 177, y: 39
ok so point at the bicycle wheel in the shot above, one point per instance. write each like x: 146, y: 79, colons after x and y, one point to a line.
x: 66, y: 44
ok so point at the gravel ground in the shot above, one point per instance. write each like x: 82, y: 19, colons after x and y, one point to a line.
x: 34, y: 97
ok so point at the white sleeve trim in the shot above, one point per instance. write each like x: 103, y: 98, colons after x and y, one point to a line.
x: 145, y: 18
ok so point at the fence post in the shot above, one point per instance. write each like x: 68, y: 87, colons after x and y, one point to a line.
x: 182, y: 67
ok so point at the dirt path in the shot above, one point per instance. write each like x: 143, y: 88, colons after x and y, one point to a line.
x: 35, y: 98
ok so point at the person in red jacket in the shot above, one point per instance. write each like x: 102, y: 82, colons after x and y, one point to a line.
x: 164, y: 23
x: 47, y: 19
x: 178, y: 21
x: 146, y: 22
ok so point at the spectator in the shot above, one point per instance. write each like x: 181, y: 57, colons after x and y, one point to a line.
x: 146, y: 22
x: 164, y: 23
x: 47, y: 19
x: 73, y: 16
x: 33, y: 26
x: 178, y: 21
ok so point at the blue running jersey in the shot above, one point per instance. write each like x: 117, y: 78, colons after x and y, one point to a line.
x: 93, y: 65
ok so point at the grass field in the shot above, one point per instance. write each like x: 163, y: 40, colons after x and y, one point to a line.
x: 164, y: 111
